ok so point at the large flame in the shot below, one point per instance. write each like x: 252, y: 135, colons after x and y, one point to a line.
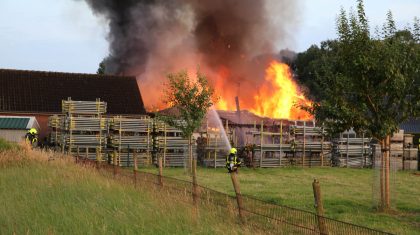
x: 273, y: 95
x: 278, y: 96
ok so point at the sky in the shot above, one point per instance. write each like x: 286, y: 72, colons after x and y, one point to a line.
x: 64, y: 35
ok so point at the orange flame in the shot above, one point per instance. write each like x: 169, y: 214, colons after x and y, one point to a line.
x: 277, y: 96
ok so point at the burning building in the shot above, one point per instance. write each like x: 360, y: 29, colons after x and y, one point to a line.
x: 235, y: 43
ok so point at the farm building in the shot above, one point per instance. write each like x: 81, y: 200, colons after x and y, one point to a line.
x: 412, y: 127
x: 14, y: 128
x: 40, y: 94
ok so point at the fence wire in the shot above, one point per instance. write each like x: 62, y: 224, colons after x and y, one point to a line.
x: 257, y: 213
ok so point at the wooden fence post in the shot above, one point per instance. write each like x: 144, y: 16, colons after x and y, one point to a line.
x: 261, y: 143
x: 135, y: 168
x: 322, y: 145
x: 236, y: 186
x: 319, y: 206
x: 114, y: 161
x: 78, y: 155
x: 195, y: 192
x: 304, y: 144
x: 160, y: 178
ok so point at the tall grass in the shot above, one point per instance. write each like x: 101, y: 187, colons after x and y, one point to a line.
x: 45, y: 193
x: 5, y: 145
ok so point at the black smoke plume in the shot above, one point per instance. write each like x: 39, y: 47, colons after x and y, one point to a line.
x: 148, y: 38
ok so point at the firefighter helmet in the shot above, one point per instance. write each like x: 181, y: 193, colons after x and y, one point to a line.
x: 233, y: 151
x: 33, y: 131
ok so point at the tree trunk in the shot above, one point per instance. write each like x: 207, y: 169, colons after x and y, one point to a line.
x: 387, y: 171
x: 190, y: 155
x: 193, y: 170
x: 384, y: 174
x: 195, y: 184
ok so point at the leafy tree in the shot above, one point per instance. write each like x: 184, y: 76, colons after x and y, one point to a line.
x: 369, y: 84
x: 389, y: 27
x: 416, y: 29
x: 191, y: 100
x: 101, y: 69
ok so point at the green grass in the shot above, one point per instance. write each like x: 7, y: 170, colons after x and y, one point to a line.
x: 5, y: 145
x: 58, y: 197
x: 347, y: 193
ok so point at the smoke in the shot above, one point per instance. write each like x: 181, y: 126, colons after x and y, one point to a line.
x: 230, y: 40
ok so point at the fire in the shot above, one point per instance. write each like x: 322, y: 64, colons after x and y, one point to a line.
x: 279, y: 95
x: 276, y: 97
x: 222, y: 104
x: 273, y: 95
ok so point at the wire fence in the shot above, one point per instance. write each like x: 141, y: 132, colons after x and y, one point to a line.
x: 253, y: 212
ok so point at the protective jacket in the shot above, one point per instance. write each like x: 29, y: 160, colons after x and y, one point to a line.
x: 233, y: 162
x: 31, y: 138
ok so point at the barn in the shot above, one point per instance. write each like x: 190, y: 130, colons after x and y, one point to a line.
x: 39, y: 94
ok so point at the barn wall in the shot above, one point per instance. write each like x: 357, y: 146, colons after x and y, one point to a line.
x: 13, y: 135
x: 42, y: 119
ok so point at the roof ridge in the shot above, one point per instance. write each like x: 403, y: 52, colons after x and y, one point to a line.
x: 93, y: 75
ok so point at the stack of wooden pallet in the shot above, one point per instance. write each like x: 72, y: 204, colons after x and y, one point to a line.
x: 310, y: 146
x: 397, y: 144
x: 172, y: 146
x: 83, y: 107
x: 294, y: 144
x: 409, y: 160
x: 216, y: 148
x: 271, y: 147
x: 403, y: 154
x: 56, y: 123
x: 271, y: 144
x: 130, y: 137
x: 352, y: 151
x: 84, y: 129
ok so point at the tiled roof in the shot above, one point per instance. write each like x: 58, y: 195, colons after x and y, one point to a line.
x: 246, y: 117
x: 411, y: 126
x: 39, y: 92
x: 13, y: 123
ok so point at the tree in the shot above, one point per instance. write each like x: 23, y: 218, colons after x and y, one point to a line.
x: 101, y: 69
x: 191, y: 99
x: 364, y: 83
x: 416, y: 29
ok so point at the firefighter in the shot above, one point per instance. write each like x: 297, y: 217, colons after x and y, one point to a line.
x: 32, y: 137
x: 232, y: 161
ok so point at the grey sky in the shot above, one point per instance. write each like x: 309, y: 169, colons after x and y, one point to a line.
x: 63, y: 35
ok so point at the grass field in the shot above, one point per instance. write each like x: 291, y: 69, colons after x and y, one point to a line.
x: 347, y: 193
x: 58, y: 197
